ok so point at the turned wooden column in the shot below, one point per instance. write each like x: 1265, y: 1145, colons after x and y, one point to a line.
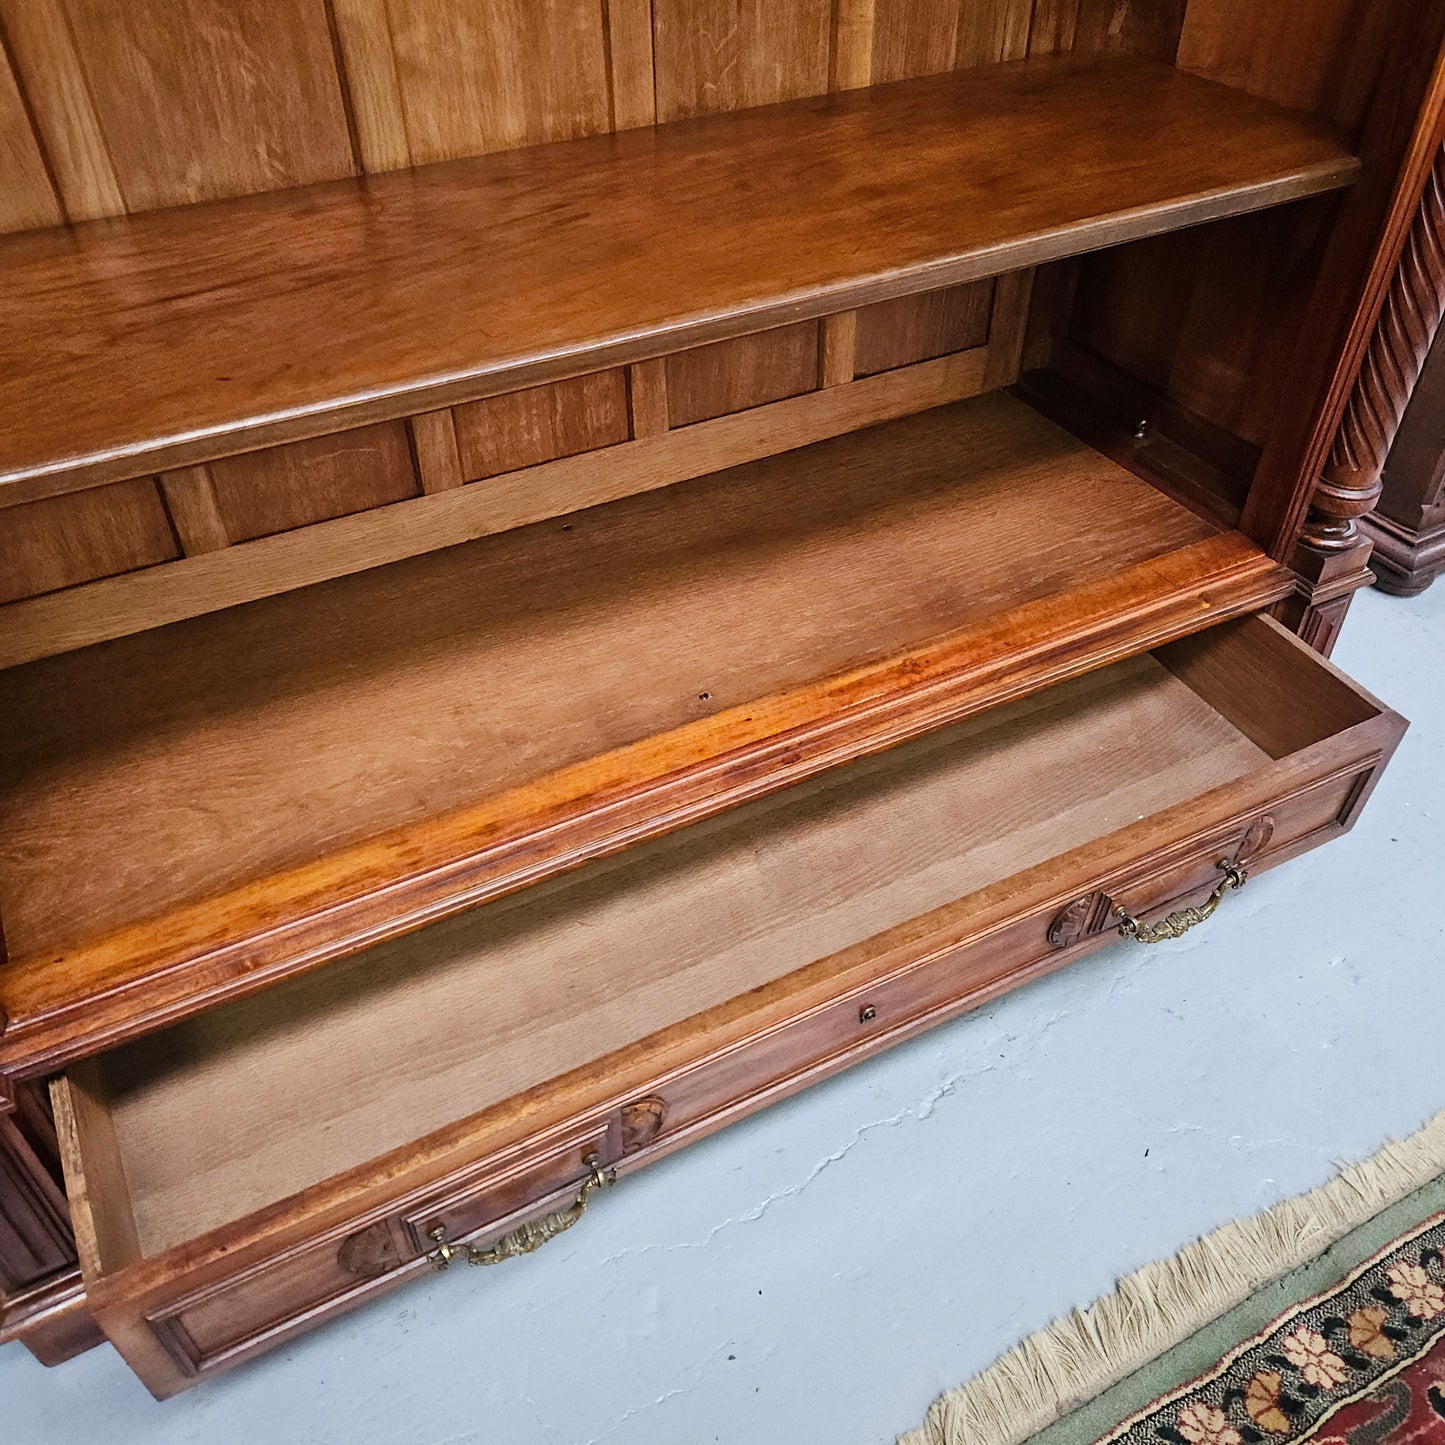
x: 1408, y: 525
x: 1333, y: 552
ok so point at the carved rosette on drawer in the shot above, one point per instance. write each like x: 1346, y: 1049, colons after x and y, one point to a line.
x: 642, y: 1122
x: 1078, y: 920
x: 1256, y: 839
x: 370, y: 1252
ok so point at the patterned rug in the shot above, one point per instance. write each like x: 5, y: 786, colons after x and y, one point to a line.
x: 1361, y: 1364
x: 1338, y: 1295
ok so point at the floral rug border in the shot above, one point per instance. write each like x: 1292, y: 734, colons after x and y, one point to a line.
x: 1279, y: 1386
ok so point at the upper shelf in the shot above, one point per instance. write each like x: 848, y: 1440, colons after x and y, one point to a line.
x: 170, y: 338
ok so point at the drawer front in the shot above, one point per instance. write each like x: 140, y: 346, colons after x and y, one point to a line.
x: 874, y: 1016
x: 226, y: 1321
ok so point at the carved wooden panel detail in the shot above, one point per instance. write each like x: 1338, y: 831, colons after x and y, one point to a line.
x: 1256, y: 838
x: 370, y: 1252
x: 1090, y: 913
x: 1077, y: 920
x: 642, y: 1122
x: 1403, y: 336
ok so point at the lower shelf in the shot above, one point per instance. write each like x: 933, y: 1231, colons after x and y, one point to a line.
x: 188, y: 814
x: 239, y: 1176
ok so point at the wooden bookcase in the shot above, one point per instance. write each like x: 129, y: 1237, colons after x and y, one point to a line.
x: 568, y: 571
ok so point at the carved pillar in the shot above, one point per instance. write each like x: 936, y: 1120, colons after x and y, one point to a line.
x: 1332, y: 557
x: 1408, y: 526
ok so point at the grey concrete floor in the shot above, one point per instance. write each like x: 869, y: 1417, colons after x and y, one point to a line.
x: 818, y: 1274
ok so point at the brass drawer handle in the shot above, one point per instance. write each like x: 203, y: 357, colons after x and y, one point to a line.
x: 526, y: 1237
x: 1178, y: 924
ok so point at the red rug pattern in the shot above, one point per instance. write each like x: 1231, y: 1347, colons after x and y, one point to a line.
x: 1361, y: 1364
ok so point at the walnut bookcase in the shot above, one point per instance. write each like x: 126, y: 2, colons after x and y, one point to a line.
x: 729, y: 593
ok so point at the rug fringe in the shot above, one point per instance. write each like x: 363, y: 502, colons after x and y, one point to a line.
x: 1152, y: 1310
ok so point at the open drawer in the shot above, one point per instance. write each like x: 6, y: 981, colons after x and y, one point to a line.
x: 287, y: 1155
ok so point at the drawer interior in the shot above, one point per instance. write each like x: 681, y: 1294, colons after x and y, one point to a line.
x: 256, y: 1101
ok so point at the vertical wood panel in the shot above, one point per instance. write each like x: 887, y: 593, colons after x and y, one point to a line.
x: 191, y: 501
x: 1246, y: 305
x: 647, y: 397
x: 61, y: 541
x: 729, y: 376
x: 1051, y: 308
x: 913, y: 37
x: 26, y: 196
x: 1052, y: 29
x: 918, y: 328
x: 1008, y: 328
x: 629, y: 36
x: 213, y: 98
x: 438, y: 457
x: 292, y: 486
x: 927, y: 37
x: 50, y: 71
x: 542, y: 423
x: 1202, y: 314
x: 486, y: 75
x: 1132, y: 303
x: 1137, y: 27
x: 364, y: 34
x: 852, y: 62
x: 715, y: 55
x: 1318, y: 56
x: 148, y: 103
x: 990, y: 31
x: 839, y: 360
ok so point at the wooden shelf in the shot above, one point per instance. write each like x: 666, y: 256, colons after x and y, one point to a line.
x: 274, y: 786
x: 170, y: 338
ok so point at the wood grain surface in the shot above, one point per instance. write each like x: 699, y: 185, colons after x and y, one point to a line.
x: 210, y: 1300
x: 212, y: 1120
x: 27, y: 194
x: 369, y: 709
x: 915, y: 328
x: 282, y: 488
x: 156, y: 341
x: 543, y: 419
x: 542, y: 423
x: 59, y: 541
